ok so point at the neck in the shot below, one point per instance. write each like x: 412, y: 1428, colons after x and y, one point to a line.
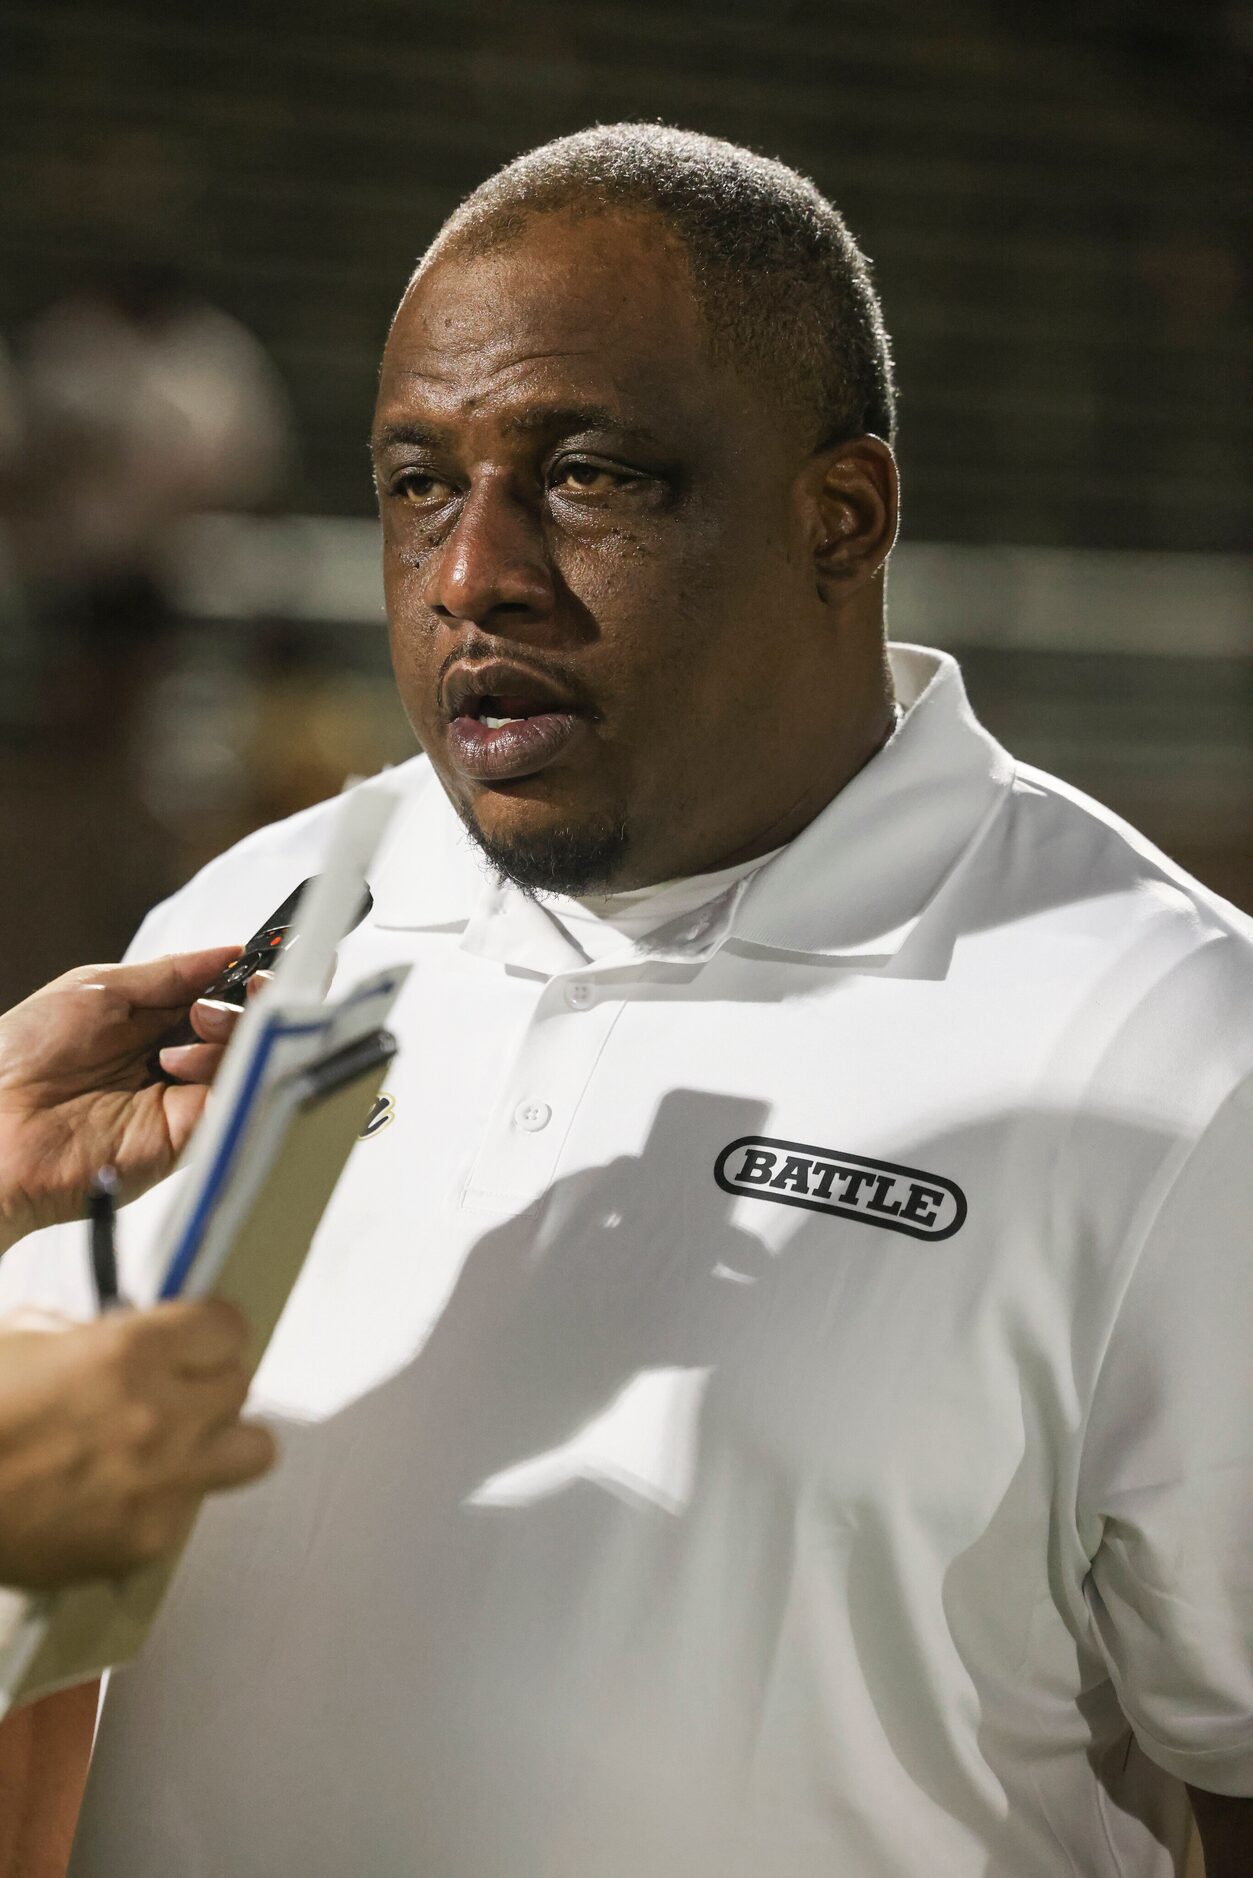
x: 782, y: 822
x: 809, y: 804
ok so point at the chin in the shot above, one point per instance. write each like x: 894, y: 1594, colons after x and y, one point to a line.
x: 543, y: 849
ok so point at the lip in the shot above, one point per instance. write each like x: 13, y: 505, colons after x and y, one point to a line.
x: 512, y: 750
x: 506, y: 752
x: 467, y: 682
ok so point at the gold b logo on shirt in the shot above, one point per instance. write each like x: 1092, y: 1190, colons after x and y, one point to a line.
x: 878, y: 1193
x: 382, y: 1114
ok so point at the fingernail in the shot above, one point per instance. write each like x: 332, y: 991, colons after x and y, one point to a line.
x: 214, y: 1017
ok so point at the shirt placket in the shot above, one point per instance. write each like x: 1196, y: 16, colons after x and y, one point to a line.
x: 569, y: 1027
x: 542, y: 1091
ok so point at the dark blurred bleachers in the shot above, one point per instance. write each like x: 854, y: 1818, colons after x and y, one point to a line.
x: 1051, y: 195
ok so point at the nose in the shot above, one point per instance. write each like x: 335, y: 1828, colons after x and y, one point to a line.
x: 494, y: 567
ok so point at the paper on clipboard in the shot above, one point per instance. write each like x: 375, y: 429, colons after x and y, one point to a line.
x: 294, y: 1089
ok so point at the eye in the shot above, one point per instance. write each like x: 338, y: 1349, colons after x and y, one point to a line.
x: 576, y: 476
x: 420, y: 488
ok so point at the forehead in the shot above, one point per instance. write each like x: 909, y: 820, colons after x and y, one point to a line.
x: 600, y: 309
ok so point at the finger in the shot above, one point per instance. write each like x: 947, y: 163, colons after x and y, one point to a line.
x: 259, y: 982
x: 214, y: 1020
x: 183, y: 1103
x: 167, y: 982
x: 192, y: 1062
x: 194, y: 1411
x: 216, y: 1336
x: 193, y: 1337
x: 34, y: 1317
x: 236, y: 1455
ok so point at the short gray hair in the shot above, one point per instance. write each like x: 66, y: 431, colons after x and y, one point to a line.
x: 784, y: 287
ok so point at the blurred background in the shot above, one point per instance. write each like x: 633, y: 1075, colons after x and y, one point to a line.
x: 207, y: 216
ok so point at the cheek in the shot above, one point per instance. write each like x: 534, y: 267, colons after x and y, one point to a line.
x: 650, y: 596
x: 404, y: 580
x: 651, y: 631
x: 670, y: 622
x: 413, y: 650
x: 603, y: 574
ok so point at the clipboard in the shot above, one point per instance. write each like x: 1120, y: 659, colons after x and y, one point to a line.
x: 293, y: 1093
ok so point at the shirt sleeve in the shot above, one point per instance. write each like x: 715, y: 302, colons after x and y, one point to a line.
x: 1167, y: 1469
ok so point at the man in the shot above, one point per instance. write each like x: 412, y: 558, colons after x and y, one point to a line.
x: 770, y: 1394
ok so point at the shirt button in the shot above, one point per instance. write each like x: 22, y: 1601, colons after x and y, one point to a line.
x: 532, y: 1116
x: 579, y: 996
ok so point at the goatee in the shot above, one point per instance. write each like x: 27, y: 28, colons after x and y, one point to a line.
x: 568, y: 859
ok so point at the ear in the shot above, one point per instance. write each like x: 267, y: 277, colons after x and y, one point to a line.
x: 854, y: 496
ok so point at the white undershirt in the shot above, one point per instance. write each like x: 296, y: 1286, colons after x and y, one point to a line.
x: 603, y: 924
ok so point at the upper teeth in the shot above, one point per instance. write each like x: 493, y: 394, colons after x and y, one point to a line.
x: 494, y: 723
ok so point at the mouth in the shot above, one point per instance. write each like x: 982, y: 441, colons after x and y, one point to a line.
x: 505, y: 722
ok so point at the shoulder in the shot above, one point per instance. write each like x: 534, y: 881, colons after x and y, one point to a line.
x: 229, y: 899
x: 1093, y: 851
x: 1091, y: 876
x: 1147, y: 974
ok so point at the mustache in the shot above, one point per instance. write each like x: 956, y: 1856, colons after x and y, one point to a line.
x: 479, y: 647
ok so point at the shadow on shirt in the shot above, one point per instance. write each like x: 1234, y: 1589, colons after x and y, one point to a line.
x: 659, y: 1514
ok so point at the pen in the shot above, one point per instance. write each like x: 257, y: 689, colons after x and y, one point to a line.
x: 102, y: 1223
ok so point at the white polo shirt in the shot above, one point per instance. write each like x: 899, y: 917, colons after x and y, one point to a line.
x: 775, y: 1401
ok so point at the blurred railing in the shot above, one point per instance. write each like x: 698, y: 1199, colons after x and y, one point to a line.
x: 1128, y: 674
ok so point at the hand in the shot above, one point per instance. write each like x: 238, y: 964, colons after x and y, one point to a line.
x: 112, y: 1432
x: 75, y: 1092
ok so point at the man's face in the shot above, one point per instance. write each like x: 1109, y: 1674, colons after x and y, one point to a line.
x: 601, y: 603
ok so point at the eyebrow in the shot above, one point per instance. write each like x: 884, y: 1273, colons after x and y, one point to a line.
x: 567, y: 417
x: 393, y: 436
x: 551, y: 419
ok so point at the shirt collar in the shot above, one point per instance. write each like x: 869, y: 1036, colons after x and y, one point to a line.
x: 854, y: 884
x: 858, y: 880
x: 427, y: 872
